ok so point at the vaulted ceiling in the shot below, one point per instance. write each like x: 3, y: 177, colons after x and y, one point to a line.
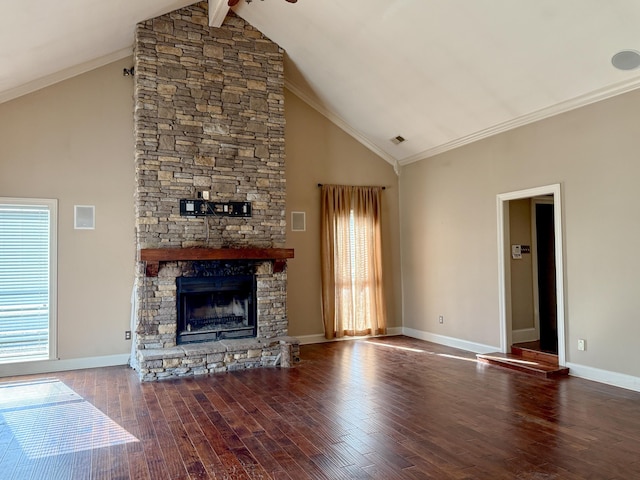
x: 440, y: 73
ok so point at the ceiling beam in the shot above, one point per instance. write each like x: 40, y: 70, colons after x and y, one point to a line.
x: 217, y: 12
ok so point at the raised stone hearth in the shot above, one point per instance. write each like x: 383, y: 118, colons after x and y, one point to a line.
x: 217, y: 357
x: 209, y: 116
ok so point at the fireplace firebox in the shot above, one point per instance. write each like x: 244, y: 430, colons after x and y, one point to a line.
x: 215, y: 308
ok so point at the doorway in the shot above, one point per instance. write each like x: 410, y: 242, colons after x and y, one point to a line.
x: 544, y: 274
x: 547, y: 264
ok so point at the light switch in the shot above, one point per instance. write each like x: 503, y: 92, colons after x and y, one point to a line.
x: 516, y: 252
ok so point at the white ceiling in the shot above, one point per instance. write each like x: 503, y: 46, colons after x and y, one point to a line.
x: 441, y: 73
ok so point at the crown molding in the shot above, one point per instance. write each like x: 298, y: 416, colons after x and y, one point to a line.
x: 563, y: 107
x: 62, y: 75
x: 339, y: 122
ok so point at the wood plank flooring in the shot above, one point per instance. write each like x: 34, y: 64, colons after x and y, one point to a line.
x: 387, y: 408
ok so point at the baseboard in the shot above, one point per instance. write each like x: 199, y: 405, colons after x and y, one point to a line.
x: 524, y: 335
x: 449, y: 341
x: 49, y: 366
x: 319, y: 338
x: 615, y: 379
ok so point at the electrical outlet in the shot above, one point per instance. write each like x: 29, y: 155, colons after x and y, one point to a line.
x: 441, y: 319
x: 127, y: 335
x: 582, y: 344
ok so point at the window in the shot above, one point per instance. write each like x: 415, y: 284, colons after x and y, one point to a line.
x: 352, y: 297
x: 27, y: 275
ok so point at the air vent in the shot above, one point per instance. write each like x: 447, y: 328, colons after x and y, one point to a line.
x: 398, y: 140
x: 298, y: 221
x: 84, y: 217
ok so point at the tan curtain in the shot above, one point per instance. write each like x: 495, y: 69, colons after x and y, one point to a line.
x: 351, y: 249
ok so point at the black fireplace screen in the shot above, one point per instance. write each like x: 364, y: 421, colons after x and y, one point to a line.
x: 215, y: 308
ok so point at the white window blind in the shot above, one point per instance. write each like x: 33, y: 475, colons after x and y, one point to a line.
x: 25, y: 287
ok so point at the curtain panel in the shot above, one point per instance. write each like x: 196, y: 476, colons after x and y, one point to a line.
x: 351, y: 250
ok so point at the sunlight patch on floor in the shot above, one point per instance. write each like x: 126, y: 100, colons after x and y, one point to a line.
x: 457, y: 357
x: 397, y: 347
x: 47, y: 418
x: 417, y: 350
x: 511, y: 360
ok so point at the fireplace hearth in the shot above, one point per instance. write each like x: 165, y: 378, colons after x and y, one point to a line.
x: 215, y: 308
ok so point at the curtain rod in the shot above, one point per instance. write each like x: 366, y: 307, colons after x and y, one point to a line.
x: 322, y: 184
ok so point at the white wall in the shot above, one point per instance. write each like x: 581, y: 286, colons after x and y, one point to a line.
x: 449, y: 230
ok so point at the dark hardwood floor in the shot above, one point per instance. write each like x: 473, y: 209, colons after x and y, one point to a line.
x: 389, y: 408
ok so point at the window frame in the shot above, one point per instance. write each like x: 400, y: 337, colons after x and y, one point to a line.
x: 52, y: 205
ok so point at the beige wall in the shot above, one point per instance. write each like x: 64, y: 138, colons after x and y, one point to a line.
x: 521, y: 269
x: 74, y: 142
x: 319, y: 152
x: 449, y: 230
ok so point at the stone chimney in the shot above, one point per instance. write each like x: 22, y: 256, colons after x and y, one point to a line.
x: 209, y: 116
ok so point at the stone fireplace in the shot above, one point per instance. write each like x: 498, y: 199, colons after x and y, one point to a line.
x: 209, y: 117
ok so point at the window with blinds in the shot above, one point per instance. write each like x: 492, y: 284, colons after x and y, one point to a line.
x: 27, y: 230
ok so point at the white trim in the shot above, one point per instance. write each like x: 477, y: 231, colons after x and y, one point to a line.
x: 217, y: 12
x: 524, y: 335
x: 504, y: 276
x: 53, y: 279
x: 48, y: 366
x: 449, y: 341
x: 62, y: 75
x: 311, y: 339
x: 621, y: 380
x: 562, y: 107
x: 503, y: 266
x: 340, y: 123
x: 319, y: 337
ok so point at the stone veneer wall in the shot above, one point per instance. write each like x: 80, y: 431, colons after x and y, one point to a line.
x: 209, y: 115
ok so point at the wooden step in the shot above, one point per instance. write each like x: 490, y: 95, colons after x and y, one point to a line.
x: 531, y: 354
x: 523, y: 364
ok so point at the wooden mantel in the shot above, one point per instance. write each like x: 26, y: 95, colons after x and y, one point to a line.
x: 154, y: 256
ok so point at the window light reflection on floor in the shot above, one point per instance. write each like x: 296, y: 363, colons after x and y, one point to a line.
x: 48, y: 418
x: 417, y: 350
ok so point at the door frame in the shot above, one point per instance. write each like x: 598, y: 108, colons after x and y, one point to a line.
x: 504, y: 266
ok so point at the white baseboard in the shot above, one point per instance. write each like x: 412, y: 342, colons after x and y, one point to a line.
x: 449, y: 341
x: 309, y: 339
x: 49, y: 366
x: 319, y: 338
x: 524, y: 335
x: 621, y: 380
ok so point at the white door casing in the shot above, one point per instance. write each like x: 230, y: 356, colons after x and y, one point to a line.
x: 504, y: 269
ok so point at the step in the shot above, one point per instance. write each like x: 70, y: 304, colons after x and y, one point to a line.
x: 523, y: 364
x: 538, y: 355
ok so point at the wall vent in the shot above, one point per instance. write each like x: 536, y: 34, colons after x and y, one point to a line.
x: 298, y: 221
x: 84, y: 217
